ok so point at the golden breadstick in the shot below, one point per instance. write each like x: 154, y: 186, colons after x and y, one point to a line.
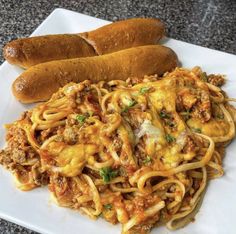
x: 27, y: 52
x: 39, y: 82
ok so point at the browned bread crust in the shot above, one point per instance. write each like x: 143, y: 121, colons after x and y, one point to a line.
x: 125, y: 34
x: 39, y: 82
x: 27, y: 52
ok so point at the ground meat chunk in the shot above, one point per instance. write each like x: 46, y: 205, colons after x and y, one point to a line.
x: 217, y: 80
x: 21, y: 158
x: 18, y: 150
x: 185, y: 99
x: 140, y: 155
x: 5, y: 158
x: 179, y: 104
x: 202, y: 110
x: 117, y: 144
x: 70, y: 134
x: 18, y: 155
x: 18, y: 147
x: 190, y: 145
x: 134, y: 80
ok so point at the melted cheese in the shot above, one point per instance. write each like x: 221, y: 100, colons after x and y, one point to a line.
x: 148, y: 129
x: 141, y: 109
x: 212, y: 128
x: 155, y: 136
x: 71, y: 158
x: 126, y: 135
x: 172, y: 157
x: 163, y: 97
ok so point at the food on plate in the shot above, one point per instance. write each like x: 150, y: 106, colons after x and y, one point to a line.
x: 26, y: 52
x: 125, y: 34
x: 39, y: 82
x: 138, y: 152
x: 120, y: 35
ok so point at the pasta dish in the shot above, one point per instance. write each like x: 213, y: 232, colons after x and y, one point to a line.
x: 138, y: 152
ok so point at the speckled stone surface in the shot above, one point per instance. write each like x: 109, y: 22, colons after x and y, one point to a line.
x: 207, y: 23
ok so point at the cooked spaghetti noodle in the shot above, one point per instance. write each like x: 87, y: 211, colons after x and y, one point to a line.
x: 138, y: 152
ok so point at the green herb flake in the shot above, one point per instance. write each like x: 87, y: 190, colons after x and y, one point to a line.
x: 171, y: 124
x: 108, y: 206
x: 80, y: 118
x: 125, y: 109
x: 164, y: 115
x: 144, y: 90
x: 170, y: 138
x: 107, y: 174
x: 220, y: 116
x: 204, y: 77
x: 147, y: 160
x: 186, y: 115
x: 197, y: 130
x: 131, y: 104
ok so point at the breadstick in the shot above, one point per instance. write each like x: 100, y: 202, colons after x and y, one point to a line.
x: 27, y: 52
x: 39, y: 82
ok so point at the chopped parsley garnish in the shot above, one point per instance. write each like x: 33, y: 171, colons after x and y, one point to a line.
x: 186, y: 115
x: 164, y: 115
x: 144, y: 90
x: 170, y: 138
x: 168, y: 120
x: 125, y: 109
x: 204, y: 77
x: 108, y: 206
x: 198, y: 130
x: 220, y: 116
x: 147, y: 160
x: 80, y: 118
x: 131, y: 104
x: 107, y: 174
x: 170, y: 123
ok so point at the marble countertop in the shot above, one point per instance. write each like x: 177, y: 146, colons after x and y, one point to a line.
x: 209, y: 23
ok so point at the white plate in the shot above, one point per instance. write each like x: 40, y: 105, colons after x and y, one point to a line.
x: 34, y: 209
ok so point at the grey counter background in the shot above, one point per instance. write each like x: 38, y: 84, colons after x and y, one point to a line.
x: 207, y: 23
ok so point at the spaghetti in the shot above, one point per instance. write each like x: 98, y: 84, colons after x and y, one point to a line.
x: 138, y: 152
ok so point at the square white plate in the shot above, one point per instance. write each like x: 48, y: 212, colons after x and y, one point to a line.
x: 34, y: 210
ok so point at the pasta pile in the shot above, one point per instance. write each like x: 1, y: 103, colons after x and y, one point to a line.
x: 139, y: 152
